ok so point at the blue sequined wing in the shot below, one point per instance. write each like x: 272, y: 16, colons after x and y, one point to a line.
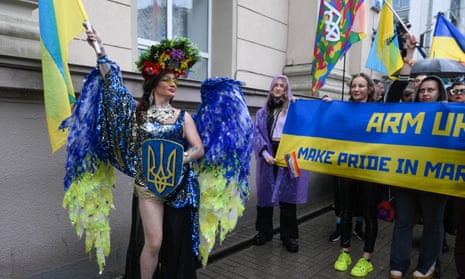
x: 226, y: 130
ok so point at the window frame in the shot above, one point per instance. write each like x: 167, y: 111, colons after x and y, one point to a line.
x: 143, y: 44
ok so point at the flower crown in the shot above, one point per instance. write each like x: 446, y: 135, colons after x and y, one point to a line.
x: 177, y: 55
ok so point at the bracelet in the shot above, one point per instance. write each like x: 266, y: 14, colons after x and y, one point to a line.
x: 102, y: 60
x: 102, y: 53
x: 409, y: 61
x: 404, y: 77
x: 185, y: 158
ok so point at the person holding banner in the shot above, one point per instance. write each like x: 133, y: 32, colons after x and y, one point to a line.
x: 170, y: 221
x: 276, y: 185
x: 432, y: 206
x: 366, y: 194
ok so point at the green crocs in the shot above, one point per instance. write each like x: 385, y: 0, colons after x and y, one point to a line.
x: 343, y: 261
x: 361, y: 268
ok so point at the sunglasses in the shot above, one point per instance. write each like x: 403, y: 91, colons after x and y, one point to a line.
x: 170, y: 80
x: 457, y: 91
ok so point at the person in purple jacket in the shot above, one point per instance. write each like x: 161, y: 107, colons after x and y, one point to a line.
x: 275, y: 186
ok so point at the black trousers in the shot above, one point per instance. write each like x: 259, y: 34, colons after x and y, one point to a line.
x: 287, y: 219
x: 368, y: 195
x: 176, y: 249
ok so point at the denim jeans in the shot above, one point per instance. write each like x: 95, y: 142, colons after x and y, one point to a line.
x: 407, y: 202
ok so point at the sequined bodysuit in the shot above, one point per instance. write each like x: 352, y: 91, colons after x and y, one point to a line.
x: 188, y: 192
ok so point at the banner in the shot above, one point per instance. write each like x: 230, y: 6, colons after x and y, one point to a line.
x: 384, y: 56
x: 341, y: 23
x: 448, y: 41
x: 412, y: 145
x: 60, y: 21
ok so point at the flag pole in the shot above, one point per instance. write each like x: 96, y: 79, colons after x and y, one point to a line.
x: 88, y: 26
x: 343, y: 76
x: 404, y: 26
x: 397, y: 16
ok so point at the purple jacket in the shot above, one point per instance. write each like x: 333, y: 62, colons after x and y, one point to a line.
x: 271, y: 191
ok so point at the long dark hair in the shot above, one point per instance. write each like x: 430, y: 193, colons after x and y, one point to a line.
x: 149, y: 84
x: 441, y: 87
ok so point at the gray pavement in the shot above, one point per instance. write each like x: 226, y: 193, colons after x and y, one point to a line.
x: 238, y: 258
x: 316, y: 254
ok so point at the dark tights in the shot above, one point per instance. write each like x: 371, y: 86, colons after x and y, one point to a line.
x: 368, y: 195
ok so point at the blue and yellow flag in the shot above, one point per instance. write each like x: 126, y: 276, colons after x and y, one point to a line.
x: 341, y: 23
x: 417, y: 146
x: 60, y: 22
x: 384, y: 56
x: 448, y: 41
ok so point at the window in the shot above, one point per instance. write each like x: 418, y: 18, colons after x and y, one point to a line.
x: 400, y: 4
x: 159, y: 19
x: 402, y: 8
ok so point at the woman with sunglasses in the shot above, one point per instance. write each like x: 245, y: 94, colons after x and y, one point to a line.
x: 456, y: 92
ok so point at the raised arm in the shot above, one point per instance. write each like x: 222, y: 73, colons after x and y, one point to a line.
x: 102, y: 60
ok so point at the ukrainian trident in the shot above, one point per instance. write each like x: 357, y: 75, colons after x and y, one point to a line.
x: 162, y: 165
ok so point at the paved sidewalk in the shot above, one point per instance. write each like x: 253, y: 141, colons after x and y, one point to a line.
x: 238, y: 258
x: 316, y: 255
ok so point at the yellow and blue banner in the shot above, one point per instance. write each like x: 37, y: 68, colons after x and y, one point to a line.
x: 60, y: 21
x: 448, y: 41
x: 384, y: 56
x: 341, y: 23
x: 412, y: 145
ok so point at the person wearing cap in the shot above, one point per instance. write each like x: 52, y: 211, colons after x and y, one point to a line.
x: 432, y: 206
x: 169, y: 220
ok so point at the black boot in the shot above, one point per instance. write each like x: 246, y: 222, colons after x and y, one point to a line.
x: 261, y: 238
x: 336, y: 235
x: 358, y: 230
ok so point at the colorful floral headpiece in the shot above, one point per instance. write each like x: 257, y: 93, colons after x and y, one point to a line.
x: 177, y: 55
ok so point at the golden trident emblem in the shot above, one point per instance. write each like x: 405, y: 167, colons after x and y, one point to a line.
x: 162, y: 165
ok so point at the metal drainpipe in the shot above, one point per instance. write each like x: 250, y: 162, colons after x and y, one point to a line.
x: 429, y: 27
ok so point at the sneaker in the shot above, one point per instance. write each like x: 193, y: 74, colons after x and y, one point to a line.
x: 362, y: 268
x: 336, y: 235
x: 343, y: 261
x: 358, y: 231
x: 395, y: 274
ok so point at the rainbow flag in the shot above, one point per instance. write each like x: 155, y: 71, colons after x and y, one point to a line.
x: 292, y: 166
x: 60, y: 21
x: 385, y: 54
x: 448, y: 41
x: 341, y: 23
